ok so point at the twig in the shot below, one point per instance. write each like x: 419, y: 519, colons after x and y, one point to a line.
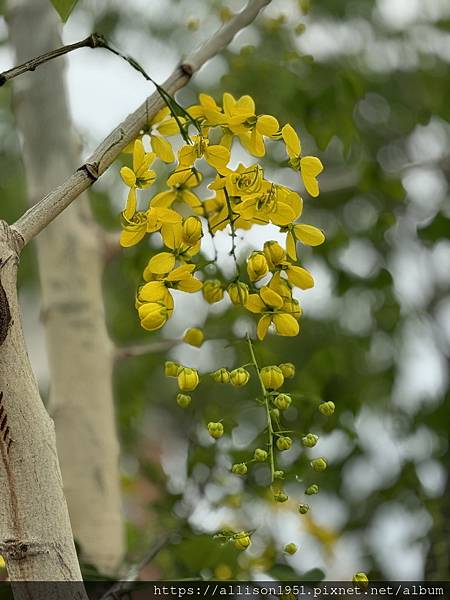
x: 93, y: 41
x: 142, y: 349
x: 43, y: 212
x: 121, y: 587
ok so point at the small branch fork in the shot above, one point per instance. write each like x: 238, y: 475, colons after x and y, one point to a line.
x: 46, y: 210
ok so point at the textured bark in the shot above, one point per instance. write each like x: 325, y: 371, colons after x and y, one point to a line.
x: 70, y: 266
x: 35, y: 532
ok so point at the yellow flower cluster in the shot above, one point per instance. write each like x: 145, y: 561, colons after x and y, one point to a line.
x: 237, y: 198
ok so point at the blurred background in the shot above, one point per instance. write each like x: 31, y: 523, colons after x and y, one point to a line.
x: 366, y: 84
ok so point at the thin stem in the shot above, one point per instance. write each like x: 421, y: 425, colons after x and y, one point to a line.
x: 231, y: 215
x: 266, y: 404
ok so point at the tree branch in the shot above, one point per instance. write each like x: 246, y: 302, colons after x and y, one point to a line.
x: 42, y: 213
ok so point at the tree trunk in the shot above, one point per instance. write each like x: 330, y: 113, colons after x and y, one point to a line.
x: 70, y: 266
x: 35, y: 533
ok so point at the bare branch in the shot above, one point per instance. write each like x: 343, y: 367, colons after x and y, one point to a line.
x: 143, y: 349
x: 42, y: 213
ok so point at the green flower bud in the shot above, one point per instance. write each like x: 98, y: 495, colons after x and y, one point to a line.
x: 303, y: 508
x: 239, y: 469
x: 361, y: 579
x: 288, y: 370
x: 272, y: 377
x: 280, y: 496
x: 171, y: 368
x: 221, y: 376
x: 278, y: 475
x: 260, y: 455
x: 284, y: 443
x: 310, y: 440
x: 275, y: 414
x: 282, y: 401
x: 319, y: 464
x: 313, y: 489
x: 183, y: 400
x: 327, y: 408
x: 238, y: 292
x: 215, y: 430
x: 239, y: 377
x: 291, y: 548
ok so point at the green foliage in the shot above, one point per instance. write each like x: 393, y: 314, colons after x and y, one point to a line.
x: 64, y: 7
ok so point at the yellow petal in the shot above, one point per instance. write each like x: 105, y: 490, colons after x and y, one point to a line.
x: 310, y: 167
x: 193, y: 201
x: 309, y: 235
x: 245, y: 104
x: 228, y: 103
x: 263, y: 326
x: 300, y: 277
x: 292, y: 141
x: 218, y: 157
x: 270, y: 297
x: 162, y: 149
x: 291, y: 246
x: 163, y: 199
x: 167, y: 215
x: 267, y: 125
x: 170, y: 126
x: 130, y: 238
x: 172, y: 235
x: 190, y: 285
x: 286, y: 324
x: 152, y: 292
x: 254, y: 304
x: 129, y: 178
x: 162, y: 263
x: 138, y: 154
x: 187, y: 156
x: 283, y: 216
x: 130, y: 208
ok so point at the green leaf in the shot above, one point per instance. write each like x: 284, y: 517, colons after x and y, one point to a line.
x: 64, y: 7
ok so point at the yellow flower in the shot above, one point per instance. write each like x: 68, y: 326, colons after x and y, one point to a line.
x: 188, y: 379
x: 309, y: 166
x: 156, y: 289
x: 239, y: 377
x: 164, y: 262
x: 221, y: 376
x: 181, y: 183
x: 272, y: 377
x: 140, y: 175
x: 192, y: 231
x: 153, y: 315
x: 171, y: 368
x: 212, y: 291
x: 216, y: 156
x: 288, y: 370
x: 273, y: 308
x: 257, y: 266
x: 243, y: 181
x: 242, y: 540
x: 273, y: 203
x: 194, y: 337
x: 274, y: 253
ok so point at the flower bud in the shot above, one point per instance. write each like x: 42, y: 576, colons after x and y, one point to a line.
x: 278, y: 475
x: 239, y: 469
x: 239, y: 377
x: 327, y: 408
x: 238, y: 292
x: 183, y: 400
x: 260, y: 455
x: 319, y: 464
x: 212, y: 291
x: 192, y: 231
x: 171, y: 368
x: 274, y: 254
x: 215, y: 430
x: 275, y: 414
x: 272, y: 377
x: 288, y: 370
x: 194, y: 337
x: 361, y: 579
x: 188, y: 379
x: 242, y: 540
x: 310, y: 440
x: 280, y: 496
x: 282, y: 401
x: 153, y: 315
x: 221, y: 376
x: 257, y: 266
x: 303, y: 508
x: 313, y: 489
x: 291, y: 548
x: 284, y: 443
